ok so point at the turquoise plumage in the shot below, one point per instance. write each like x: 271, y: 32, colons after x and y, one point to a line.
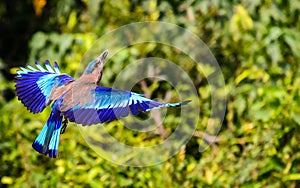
x: 81, y: 101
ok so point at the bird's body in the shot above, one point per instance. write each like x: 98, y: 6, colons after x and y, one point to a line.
x: 81, y: 101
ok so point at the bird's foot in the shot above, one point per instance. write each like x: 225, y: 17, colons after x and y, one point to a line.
x: 64, y: 126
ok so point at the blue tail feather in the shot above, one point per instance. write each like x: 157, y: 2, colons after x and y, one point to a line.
x: 48, y: 140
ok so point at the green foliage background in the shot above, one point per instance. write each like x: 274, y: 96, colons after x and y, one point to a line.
x: 257, y: 44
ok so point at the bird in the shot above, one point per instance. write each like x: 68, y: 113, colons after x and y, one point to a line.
x: 82, y: 101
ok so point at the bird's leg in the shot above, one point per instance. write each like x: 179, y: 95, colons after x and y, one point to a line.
x: 64, y: 126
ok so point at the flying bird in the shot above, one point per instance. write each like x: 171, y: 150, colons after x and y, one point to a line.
x: 81, y: 101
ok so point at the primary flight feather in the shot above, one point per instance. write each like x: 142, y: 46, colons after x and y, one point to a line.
x: 81, y: 101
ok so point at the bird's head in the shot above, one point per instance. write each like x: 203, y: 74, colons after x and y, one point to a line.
x: 96, y: 64
x: 95, y: 67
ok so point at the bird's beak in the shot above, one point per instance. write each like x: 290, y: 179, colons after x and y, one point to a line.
x: 103, y: 56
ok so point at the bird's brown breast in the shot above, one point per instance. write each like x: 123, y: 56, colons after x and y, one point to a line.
x: 58, y: 91
x: 79, y: 94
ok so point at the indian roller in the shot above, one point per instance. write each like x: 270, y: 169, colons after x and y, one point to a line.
x: 81, y: 101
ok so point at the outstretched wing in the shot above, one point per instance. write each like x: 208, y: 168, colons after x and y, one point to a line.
x: 107, y: 104
x: 34, y: 85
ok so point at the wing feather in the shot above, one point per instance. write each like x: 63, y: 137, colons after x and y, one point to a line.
x: 34, y: 85
x: 107, y: 104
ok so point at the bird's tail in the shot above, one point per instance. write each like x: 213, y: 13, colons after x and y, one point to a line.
x: 48, y: 140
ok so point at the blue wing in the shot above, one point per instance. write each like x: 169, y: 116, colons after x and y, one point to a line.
x: 34, y: 85
x: 108, y: 104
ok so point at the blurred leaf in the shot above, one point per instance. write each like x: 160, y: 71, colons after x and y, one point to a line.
x: 6, y: 180
x: 291, y: 177
x: 38, y: 6
x: 72, y: 20
x: 296, y: 118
